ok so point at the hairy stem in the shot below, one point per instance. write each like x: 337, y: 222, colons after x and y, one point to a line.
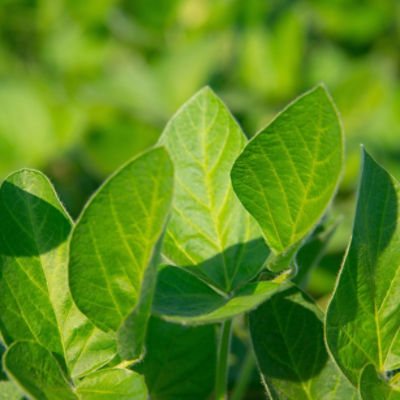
x: 224, y: 346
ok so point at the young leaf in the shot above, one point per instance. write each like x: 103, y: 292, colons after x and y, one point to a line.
x: 209, y: 232
x: 113, y: 240
x: 288, y: 339
x: 37, y: 372
x: 363, y: 318
x: 35, y: 303
x: 179, y: 362
x: 112, y: 384
x: 182, y: 297
x: 287, y: 174
x: 373, y: 386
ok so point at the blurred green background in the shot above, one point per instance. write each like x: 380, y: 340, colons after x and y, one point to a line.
x: 85, y: 85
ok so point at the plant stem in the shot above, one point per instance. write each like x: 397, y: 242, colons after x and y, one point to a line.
x: 224, y: 346
x: 244, y: 376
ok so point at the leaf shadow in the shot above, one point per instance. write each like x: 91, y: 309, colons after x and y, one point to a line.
x: 30, y: 226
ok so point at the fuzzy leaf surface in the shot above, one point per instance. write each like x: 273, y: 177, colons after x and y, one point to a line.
x: 209, y: 231
x: 288, y: 172
x: 363, y: 318
x: 288, y: 338
x: 113, y: 240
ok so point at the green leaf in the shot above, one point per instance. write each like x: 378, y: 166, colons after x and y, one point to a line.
x: 182, y: 297
x: 288, y: 338
x: 35, y: 303
x: 288, y: 173
x: 10, y: 391
x: 180, y: 361
x: 112, y: 384
x: 113, y: 240
x: 37, y: 372
x: 209, y: 232
x: 374, y: 387
x: 363, y: 318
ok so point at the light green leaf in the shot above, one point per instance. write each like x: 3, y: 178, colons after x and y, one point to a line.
x: 180, y: 361
x: 37, y: 371
x: 288, y: 338
x: 112, y: 384
x: 375, y: 387
x: 288, y: 173
x: 363, y: 318
x: 209, y: 232
x: 10, y: 391
x: 182, y: 297
x: 113, y: 240
x: 35, y: 303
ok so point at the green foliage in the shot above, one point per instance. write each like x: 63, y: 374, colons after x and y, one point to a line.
x: 216, y: 237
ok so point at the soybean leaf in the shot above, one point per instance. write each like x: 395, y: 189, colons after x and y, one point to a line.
x: 180, y: 361
x: 182, y: 297
x: 288, y: 339
x: 287, y: 174
x: 112, y: 384
x: 113, y: 240
x: 37, y: 372
x: 10, y: 391
x: 363, y: 318
x: 35, y: 303
x: 209, y: 232
x: 373, y: 386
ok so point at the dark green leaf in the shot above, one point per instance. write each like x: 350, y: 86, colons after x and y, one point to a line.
x: 288, y: 338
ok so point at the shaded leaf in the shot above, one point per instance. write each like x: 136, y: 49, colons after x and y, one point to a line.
x: 180, y: 361
x: 113, y: 240
x: 182, y: 297
x: 373, y: 386
x: 207, y: 218
x: 288, y: 173
x: 288, y: 339
x: 363, y: 318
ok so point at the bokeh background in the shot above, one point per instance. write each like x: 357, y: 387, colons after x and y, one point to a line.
x: 85, y: 85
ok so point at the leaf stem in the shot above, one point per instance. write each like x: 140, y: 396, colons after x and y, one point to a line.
x: 246, y: 370
x: 224, y: 346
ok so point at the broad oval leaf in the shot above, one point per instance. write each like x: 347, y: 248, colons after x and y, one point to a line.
x: 35, y: 302
x: 180, y: 361
x: 288, y: 173
x: 288, y: 338
x: 113, y: 240
x: 112, y: 384
x: 37, y: 372
x: 209, y: 231
x: 375, y: 387
x: 363, y: 318
x: 182, y: 297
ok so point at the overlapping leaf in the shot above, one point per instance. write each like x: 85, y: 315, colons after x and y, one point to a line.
x: 288, y: 173
x: 113, y: 240
x: 373, y: 386
x: 209, y: 232
x: 35, y: 303
x: 363, y: 319
x: 181, y: 297
x: 287, y: 334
